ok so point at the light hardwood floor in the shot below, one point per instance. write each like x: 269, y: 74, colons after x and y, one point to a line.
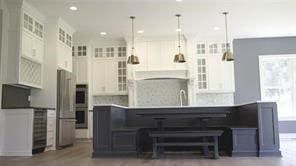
x: 80, y: 155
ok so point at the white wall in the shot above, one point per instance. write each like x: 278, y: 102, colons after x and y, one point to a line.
x: 47, y: 97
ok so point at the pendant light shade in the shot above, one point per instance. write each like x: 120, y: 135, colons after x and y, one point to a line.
x: 179, y: 58
x: 227, y: 55
x: 133, y: 59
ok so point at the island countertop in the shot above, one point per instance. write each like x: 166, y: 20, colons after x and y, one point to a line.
x: 182, y: 107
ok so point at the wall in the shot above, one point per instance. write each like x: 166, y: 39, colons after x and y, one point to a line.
x: 246, y: 67
x: 47, y: 97
x: 160, y: 92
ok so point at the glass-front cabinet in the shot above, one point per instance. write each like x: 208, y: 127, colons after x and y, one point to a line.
x: 212, y: 74
x: 109, y: 70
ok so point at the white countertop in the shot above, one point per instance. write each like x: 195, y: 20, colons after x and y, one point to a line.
x: 162, y: 107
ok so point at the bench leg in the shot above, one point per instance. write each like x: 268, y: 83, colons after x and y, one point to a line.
x: 205, y: 148
x: 216, y: 150
x: 154, y: 155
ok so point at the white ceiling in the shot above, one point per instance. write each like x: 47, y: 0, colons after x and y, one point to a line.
x: 248, y: 18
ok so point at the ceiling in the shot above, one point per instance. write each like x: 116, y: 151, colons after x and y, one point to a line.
x: 247, y: 18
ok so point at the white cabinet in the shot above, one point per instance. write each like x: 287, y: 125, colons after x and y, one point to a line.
x: 18, y: 132
x: 65, y: 40
x: 51, y: 130
x: 104, y: 76
x: 159, y: 54
x: 109, y: 70
x: 32, y: 48
x: 26, y: 45
x: 80, y: 69
x: 213, y: 74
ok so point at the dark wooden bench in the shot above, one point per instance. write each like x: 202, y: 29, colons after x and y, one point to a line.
x: 158, y: 141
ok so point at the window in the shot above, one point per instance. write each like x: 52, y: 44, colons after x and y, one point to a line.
x: 110, y: 52
x: 62, y: 35
x: 28, y: 22
x: 277, y: 82
x: 200, y: 48
x: 122, y: 75
x: 38, y: 29
x: 69, y: 40
x: 121, y: 51
x: 98, y: 52
x: 81, y: 51
x: 201, y: 73
x: 213, y: 48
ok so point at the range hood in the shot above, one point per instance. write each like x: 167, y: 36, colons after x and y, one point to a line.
x: 161, y: 74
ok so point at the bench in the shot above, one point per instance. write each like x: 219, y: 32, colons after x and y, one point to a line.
x: 158, y: 137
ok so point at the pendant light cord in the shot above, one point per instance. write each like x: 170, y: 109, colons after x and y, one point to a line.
x: 226, y: 31
x: 179, y: 33
x: 133, y: 36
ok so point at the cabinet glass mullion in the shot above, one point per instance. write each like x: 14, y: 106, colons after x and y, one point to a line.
x: 121, y: 76
x: 202, y: 74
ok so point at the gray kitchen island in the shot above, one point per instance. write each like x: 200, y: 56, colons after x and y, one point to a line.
x: 249, y: 129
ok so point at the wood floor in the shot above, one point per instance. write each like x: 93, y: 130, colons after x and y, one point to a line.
x: 80, y: 155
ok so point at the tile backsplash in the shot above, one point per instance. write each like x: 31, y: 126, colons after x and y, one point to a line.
x: 118, y: 100
x: 214, y: 99
x: 160, y: 92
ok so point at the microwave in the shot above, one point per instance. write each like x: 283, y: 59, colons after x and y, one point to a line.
x: 81, y: 96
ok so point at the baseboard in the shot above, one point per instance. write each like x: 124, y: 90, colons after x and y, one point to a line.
x: 268, y: 153
x: 244, y: 154
x: 18, y: 153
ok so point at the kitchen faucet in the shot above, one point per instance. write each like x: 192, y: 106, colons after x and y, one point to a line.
x: 182, y: 92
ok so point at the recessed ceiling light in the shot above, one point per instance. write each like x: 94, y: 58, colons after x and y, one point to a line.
x: 216, y: 28
x: 74, y: 8
x: 178, y: 30
x: 179, y: 0
x: 103, y: 33
x: 140, y: 31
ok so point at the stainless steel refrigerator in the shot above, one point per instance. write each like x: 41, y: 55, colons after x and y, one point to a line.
x: 65, y: 109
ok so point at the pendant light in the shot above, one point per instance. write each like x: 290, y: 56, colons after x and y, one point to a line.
x: 132, y: 59
x: 227, y: 55
x: 179, y: 58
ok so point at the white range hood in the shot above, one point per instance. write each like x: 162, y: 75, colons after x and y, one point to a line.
x: 161, y: 74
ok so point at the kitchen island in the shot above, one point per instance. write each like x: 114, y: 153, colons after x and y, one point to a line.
x: 249, y: 129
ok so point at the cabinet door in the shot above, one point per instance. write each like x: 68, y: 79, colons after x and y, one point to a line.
x: 98, y: 75
x: 38, y: 50
x: 27, y: 42
x: 154, y: 53
x: 81, y: 71
x: 64, y: 57
x: 220, y: 75
x: 111, y: 80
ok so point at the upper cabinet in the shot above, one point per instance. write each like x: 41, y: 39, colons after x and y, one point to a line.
x: 158, y: 54
x: 212, y: 74
x: 65, y: 42
x: 81, y: 60
x: 109, y: 70
x: 32, y: 38
x: 26, y: 45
